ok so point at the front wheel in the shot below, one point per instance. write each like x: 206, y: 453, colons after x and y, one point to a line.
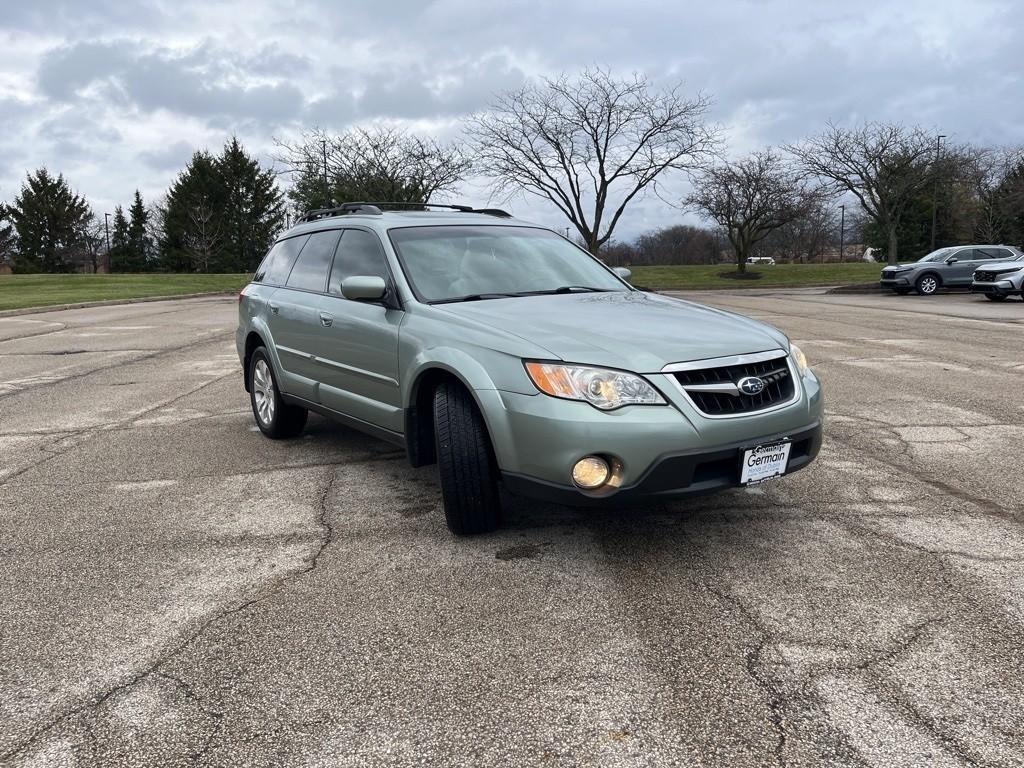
x: 275, y: 418
x: 995, y: 296
x: 927, y: 285
x: 465, y: 461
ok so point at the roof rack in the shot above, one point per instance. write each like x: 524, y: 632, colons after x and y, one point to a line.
x: 374, y: 209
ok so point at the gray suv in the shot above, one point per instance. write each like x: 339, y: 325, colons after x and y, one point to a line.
x: 951, y: 267
x: 509, y: 356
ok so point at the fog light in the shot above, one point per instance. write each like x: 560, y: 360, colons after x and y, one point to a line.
x: 591, y: 472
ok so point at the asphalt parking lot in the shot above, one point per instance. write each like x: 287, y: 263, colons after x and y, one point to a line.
x: 177, y: 590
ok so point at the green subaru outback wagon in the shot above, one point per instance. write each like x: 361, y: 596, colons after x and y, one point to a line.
x: 508, y: 356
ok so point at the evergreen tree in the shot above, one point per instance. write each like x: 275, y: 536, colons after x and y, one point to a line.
x: 48, y: 220
x: 220, y: 214
x: 138, y: 237
x: 119, y: 258
x: 191, y: 238
x: 253, y: 210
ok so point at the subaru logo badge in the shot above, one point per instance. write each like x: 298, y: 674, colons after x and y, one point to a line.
x: 751, y: 385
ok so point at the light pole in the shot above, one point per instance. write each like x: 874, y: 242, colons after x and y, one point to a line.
x: 935, y: 183
x: 842, y: 231
x: 106, y: 232
x: 327, y: 192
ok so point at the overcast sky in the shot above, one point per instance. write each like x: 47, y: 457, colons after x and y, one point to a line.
x: 117, y: 95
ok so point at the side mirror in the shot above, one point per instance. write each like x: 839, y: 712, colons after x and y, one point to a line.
x: 364, y: 288
x: 952, y: 260
x: 622, y: 272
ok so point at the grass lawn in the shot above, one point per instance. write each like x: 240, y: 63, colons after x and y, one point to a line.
x: 778, y: 276
x: 19, y: 291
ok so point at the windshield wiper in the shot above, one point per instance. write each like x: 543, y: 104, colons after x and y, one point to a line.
x: 544, y: 292
x: 566, y: 289
x: 475, y: 297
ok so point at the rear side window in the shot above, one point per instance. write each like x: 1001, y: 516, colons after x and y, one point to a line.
x: 277, y: 265
x: 360, y: 253
x: 311, y: 268
x: 995, y: 253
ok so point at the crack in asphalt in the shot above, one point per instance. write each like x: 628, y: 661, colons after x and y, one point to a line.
x: 86, y: 708
x: 99, y: 429
x: 192, y: 695
x: 364, y: 459
x: 925, y: 477
x: 207, y: 338
x: 776, y: 699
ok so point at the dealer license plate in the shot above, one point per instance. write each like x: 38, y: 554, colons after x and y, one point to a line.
x: 764, y: 461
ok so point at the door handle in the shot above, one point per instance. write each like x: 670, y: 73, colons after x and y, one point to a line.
x: 326, y: 319
x: 274, y: 308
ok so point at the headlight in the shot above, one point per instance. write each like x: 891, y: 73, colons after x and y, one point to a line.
x: 799, y: 358
x: 602, y: 388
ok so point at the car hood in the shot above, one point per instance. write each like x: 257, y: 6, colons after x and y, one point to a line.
x: 635, y: 331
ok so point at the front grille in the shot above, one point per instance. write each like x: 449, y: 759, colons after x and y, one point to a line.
x: 984, y: 277
x: 779, y: 387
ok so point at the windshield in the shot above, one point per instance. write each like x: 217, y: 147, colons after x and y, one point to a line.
x: 466, y: 263
x: 938, y: 255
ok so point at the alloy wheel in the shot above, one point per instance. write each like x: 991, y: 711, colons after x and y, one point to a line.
x: 263, y: 392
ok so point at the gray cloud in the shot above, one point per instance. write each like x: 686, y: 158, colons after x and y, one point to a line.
x: 193, y: 83
x: 131, y: 88
x: 169, y: 158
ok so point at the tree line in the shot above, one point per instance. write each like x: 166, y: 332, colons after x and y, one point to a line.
x: 589, y: 146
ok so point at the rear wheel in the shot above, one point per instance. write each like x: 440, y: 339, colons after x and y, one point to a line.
x: 465, y: 460
x: 995, y: 296
x: 927, y: 285
x: 275, y: 418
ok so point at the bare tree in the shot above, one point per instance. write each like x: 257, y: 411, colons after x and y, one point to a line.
x: 807, y: 238
x: 590, y: 145
x: 883, y: 165
x: 8, y: 240
x: 379, y: 163
x: 91, y: 243
x: 751, y: 198
x: 204, y: 236
x: 985, y: 172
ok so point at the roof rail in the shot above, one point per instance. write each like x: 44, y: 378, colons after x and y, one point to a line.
x: 323, y: 213
x: 374, y: 209
x: 387, y: 204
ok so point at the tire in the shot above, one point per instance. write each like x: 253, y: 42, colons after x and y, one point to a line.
x: 995, y: 296
x: 465, y: 461
x: 901, y: 291
x: 275, y: 418
x: 927, y: 285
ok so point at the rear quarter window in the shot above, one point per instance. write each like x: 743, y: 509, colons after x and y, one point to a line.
x: 277, y: 265
x: 314, y: 262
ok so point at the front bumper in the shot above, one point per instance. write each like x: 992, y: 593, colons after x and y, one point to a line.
x: 659, y: 450
x: 687, y: 473
x: 999, y: 288
x: 896, y: 280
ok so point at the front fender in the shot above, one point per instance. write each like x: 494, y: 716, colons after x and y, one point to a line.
x: 479, y: 369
